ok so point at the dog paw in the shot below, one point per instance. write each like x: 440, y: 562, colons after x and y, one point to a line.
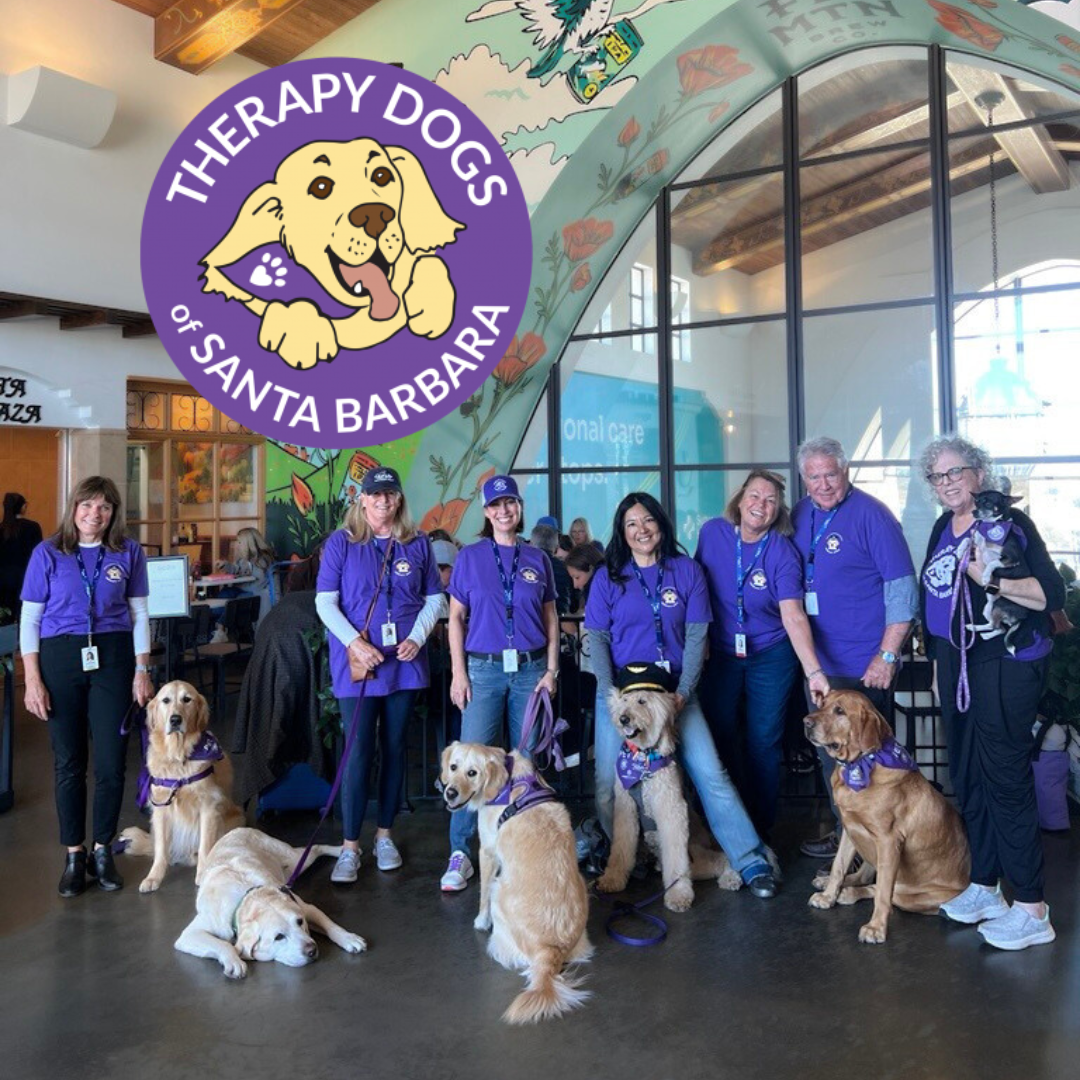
x: 680, y: 897
x: 609, y: 883
x: 150, y: 884
x: 234, y: 969
x: 482, y: 922
x: 872, y: 935
x: 730, y: 880
x: 299, y: 333
x: 820, y: 901
x: 269, y: 272
x: 353, y: 943
x: 429, y: 299
x: 821, y: 879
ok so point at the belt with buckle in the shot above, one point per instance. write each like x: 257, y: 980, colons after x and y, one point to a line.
x: 523, y: 657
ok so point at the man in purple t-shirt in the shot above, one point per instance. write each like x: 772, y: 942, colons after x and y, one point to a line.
x: 860, y: 589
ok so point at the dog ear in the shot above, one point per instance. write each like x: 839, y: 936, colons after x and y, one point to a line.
x: 247, y: 940
x: 869, y: 729
x: 424, y: 223
x: 153, y: 709
x: 202, y: 711
x: 259, y: 222
x: 1014, y: 499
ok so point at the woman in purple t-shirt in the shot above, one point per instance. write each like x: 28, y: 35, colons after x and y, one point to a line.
x: 377, y: 575
x: 758, y: 637
x: 649, y: 603
x: 989, y: 697
x: 85, y: 641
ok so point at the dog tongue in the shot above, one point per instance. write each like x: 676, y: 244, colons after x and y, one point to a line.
x: 384, y: 303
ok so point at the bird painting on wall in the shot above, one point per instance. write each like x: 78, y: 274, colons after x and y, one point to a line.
x: 562, y: 26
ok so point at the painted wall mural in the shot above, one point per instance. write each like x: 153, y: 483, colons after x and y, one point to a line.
x: 599, y: 104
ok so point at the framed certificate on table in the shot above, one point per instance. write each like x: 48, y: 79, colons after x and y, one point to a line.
x: 168, y: 577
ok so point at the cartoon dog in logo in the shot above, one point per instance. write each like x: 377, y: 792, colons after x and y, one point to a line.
x: 363, y: 219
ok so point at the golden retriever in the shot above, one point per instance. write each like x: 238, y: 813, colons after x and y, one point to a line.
x: 243, y: 897
x: 186, y: 820
x: 646, y: 719
x: 900, y: 825
x: 363, y: 219
x: 532, y: 896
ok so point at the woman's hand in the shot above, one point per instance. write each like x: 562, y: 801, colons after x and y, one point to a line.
x: 680, y: 703
x: 142, y: 689
x: 819, y: 687
x: 36, y: 698
x: 408, y: 650
x: 547, y: 682
x: 365, y: 652
x: 460, y: 690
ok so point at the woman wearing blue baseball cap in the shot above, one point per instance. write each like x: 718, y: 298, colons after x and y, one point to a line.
x: 505, y: 591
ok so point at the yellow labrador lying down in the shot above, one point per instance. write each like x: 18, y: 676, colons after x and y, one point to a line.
x: 532, y: 896
x: 242, y: 897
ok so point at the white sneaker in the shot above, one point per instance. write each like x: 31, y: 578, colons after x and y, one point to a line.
x: 387, y: 856
x: 975, y: 904
x: 344, y: 872
x: 458, y: 872
x: 1018, y: 929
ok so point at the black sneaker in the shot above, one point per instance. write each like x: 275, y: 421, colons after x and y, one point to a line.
x: 73, y: 880
x: 825, y: 848
x: 762, y: 886
x: 104, y: 869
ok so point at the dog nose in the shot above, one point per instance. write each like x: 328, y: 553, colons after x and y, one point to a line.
x: 371, y: 217
x: 176, y: 721
x: 311, y: 950
x: 451, y: 793
x: 808, y: 722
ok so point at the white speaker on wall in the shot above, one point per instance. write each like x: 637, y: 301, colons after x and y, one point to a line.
x: 60, y: 107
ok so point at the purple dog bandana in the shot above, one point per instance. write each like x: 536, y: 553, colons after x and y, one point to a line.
x: 891, y: 755
x: 633, y: 765
x: 206, y: 749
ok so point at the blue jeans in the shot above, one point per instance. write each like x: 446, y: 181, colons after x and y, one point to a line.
x: 493, y: 692
x: 764, y: 681
x: 724, y: 810
x: 396, y: 711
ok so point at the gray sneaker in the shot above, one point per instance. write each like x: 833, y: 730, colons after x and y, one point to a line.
x: 975, y: 903
x: 458, y: 872
x: 1017, y: 929
x: 344, y: 872
x: 387, y: 856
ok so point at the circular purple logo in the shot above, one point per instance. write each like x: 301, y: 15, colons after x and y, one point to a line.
x: 336, y: 253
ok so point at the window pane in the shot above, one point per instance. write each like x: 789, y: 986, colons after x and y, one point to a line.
x: 189, y: 412
x: 1016, y: 389
x: 864, y: 99
x: 145, y: 481
x: 193, y: 475
x: 150, y: 535
x: 595, y: 496
x: 145, y: 410
x: 1051, y: 498
x: 906, y: 495
x: 1025, y: 95
x: 866, y: 229
x: 237, y: 481
x: 754, y: 141
x: 730, y: 396
x: 534, y: 490
x: 1035, y: 224
x: 869, y: 380
x: 533, y: 452
x: 727, y: 243
x: 610, y: 402
x: 701, y: 495
x: 626, y: 298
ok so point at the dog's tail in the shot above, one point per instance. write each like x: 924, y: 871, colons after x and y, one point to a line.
x: 135, y: 842
x: 549, y: 993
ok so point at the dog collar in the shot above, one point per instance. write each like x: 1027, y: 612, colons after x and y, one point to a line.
x: 533, y: 792
x: 206, y: 749
x: 634, y: 765
x: 891, y: 755
x: 236, y: 911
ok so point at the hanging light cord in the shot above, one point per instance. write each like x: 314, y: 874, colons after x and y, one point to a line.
x: 993, y: 232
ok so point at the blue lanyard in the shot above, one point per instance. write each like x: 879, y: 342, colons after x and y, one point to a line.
x: 389, y: 576
x: 740, y: 577
x: 508, y: 586
x: 654, y: 602
x: 817, y: 539
x: 90, y: 586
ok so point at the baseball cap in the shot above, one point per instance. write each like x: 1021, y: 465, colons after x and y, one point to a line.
x: 501, y: 487
x: 548, y: 520
x: 644, y: 676
x: 445, y: 553
x: 380, y: 479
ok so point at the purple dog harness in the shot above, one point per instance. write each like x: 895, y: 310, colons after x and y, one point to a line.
x: 206, y: 749
x: 891, y: 755
x: 634, y: 765
x: 535, y: 793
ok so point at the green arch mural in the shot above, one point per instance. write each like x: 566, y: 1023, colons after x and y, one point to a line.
x: 723, y: 65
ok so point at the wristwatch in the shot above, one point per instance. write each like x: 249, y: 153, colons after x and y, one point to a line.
x: 888, y: 657
x: 142, y: 669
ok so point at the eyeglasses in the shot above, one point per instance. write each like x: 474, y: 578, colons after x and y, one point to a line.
x: 939, y: 478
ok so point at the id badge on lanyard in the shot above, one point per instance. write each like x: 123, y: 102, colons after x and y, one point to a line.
x: 90, y: 659
x: 740, y: 584
x: 510, y: 661
x: 811, y: 604
x: 389, y: 628
x: 509, y: 654
x: 810, y: 600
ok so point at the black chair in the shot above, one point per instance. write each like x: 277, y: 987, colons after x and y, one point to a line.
x: 238, y: 621
x: 191, y: 635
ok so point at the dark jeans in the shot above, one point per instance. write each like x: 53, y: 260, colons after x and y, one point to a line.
x: 88, y: 704
x: 746, y: 703
x: 395, y: 711
x: 880, y: 699
x: 990, y: 749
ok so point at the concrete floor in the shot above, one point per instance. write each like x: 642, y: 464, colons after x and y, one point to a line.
x: 742, y: 988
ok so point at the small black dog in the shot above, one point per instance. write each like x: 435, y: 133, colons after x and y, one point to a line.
x: 1001, y: 544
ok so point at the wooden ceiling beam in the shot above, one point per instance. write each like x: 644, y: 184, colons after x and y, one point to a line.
x: 83, y: 319
x: 20, y: 309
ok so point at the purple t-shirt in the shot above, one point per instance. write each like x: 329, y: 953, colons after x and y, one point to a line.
x: 773, y: 576
x: 623, y: 609
x: 352, y: 571
x: 53, y: 579
x: 939, y: 580
x: 477, y: 584
x: 862, y: 548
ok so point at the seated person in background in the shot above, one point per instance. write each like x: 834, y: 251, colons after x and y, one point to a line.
x: 581, y: 533
x: 254, y: 557
x: 439, y: 651
x: 566, y: 545
x: 546, y: 538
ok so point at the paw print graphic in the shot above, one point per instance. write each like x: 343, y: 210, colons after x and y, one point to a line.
x: 269, y: 272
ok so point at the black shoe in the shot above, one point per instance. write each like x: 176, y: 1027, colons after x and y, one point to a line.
x: 762, y: 886
x: 825, y: 848
x: 105, y: 870
x: 73, y: 881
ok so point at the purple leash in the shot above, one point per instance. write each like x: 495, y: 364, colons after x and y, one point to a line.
x: 349, y: 743
x: 962, y: 596
x: 548, y: 731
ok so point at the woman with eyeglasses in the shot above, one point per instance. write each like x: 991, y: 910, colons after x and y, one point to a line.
x: 989, y: 696
x: 649, y: 602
